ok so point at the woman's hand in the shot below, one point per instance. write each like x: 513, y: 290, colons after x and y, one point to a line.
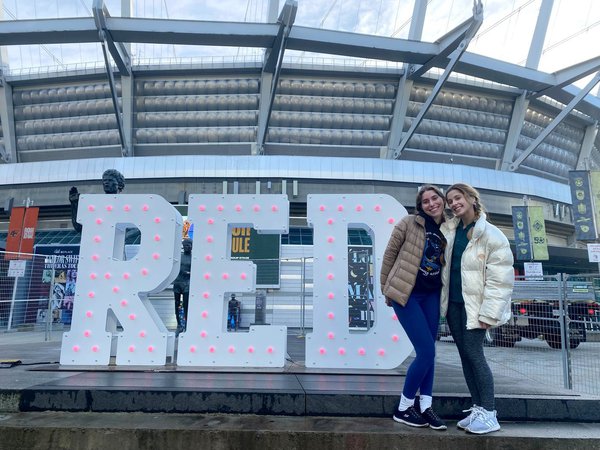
x: 388, y: 301
x: 484, y: 325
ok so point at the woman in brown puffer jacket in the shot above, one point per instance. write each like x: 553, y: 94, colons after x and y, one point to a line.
x: 411, y: 282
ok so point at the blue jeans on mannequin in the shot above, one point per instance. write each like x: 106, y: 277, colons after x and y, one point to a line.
x: 420, y: 319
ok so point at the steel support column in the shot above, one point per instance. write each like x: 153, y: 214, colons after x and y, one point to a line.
x: 586, y: 146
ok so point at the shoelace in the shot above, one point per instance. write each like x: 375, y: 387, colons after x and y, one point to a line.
x: 473, y: 411
x: 433, y: 414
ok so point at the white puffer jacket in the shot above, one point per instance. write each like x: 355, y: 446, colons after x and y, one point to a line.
x: 487, y: 273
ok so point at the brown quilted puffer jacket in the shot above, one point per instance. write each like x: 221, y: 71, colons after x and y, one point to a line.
x: 402, y: 259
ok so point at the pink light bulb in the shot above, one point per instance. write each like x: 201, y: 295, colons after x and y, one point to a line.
x: 330, y: 258
x: 381, y: 352
x: 156, y: 237
x: 342, y: 351
x: 151, y: 348
x: 270, y: 349
x: 377, y: 208
x: 395, y: 338
x: 322, y: 208
x: 132, y: 316
x: 210, y: 239
x: 330, y: 221
x: 238, y: 208
x: 89, y: 314
x: 330, y: 239
x: 394, y: 317
x: 76, y: 348
x: 204, y: 314
x: 362, y: 351
x: 340, y: 208
x: 91, y: 208
x: 330, y: 315
x: 330, y: 296
x: 207, y: 276
x: 95, y: 257
x: 391, y: 220
x: 210, y: 221
x: 155, y: 256
x: 274, y: 208
x: 142, y: 334
x: 208, y: 257
x: 220, y: 208
x: 250, y: 349
x: 99, y: 221
x: 126, y: 276
x: 256, y: 208
x: 87, y: 333
x: 116, y: 289
x: 322, y: 351
x: 91, y: 294
x: 193, y: 349
x: 127, y: 208
x: 330, y: 276
x: 231, y: 349
x: 243, y: 276
x: 157, y: 220
x: 109, y: 208
x: 202, y: 208
x: 107, y: 275
x: 95, y: 348
x: 131, y: 348
x: 330, y: 335
x: 212, y: 349
x: 144, y: 271
x: 145, y: 208
x: 97, y: 239
x: 359, y: 208
x: 206, y: 295
x: 203, y: 334
x: 93, y: 276
x: 225, y: 276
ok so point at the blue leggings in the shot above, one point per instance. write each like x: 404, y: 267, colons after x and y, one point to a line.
x: 420, y: 319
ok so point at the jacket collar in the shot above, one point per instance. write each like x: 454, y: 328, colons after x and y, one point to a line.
x: 478, y: 229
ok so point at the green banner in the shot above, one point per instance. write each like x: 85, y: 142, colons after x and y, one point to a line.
x: 262, y: 250
x: 595, y: 182
x: 539, y: 241
x: 582, y: 198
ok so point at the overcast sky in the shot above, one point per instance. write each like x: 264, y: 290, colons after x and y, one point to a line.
x: 573, y: 33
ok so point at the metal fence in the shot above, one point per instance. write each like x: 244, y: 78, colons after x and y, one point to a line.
x: 553, y: 337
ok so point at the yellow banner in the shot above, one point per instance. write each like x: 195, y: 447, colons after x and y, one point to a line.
x: 539, y: 241
x: 595, y: 182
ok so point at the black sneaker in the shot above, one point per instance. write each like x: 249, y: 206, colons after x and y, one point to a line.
x: 411, y: 417
x: 433, y: 419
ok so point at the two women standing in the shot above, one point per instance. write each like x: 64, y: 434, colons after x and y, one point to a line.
x: 461, y: 267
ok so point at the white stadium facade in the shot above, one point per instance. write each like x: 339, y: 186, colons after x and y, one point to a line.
x: 375, y: 115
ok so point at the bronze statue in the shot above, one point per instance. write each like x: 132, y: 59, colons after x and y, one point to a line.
x: 113, y: 182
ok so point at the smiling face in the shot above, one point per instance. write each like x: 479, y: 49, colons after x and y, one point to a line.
x: 461, y: 205
x: 432, y: 204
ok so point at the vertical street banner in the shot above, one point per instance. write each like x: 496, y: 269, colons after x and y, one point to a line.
x: 583, y: 213
x: 28, y: 234
x: 537, y: 229
x: 595, y: 182
x: 520, y: 221
x: 15, y: 230
x: 262, y: 249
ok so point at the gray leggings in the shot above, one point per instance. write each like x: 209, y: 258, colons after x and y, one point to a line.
x: 478, y: 375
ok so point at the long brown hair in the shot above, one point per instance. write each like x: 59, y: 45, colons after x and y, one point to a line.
x: 469, y: 191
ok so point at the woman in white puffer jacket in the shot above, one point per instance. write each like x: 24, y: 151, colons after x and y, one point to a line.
x: 477, y: 283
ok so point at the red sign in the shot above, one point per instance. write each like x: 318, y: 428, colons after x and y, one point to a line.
x: 21, y: 233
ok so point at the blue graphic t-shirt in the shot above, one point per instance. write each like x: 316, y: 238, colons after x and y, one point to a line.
x: 429, y: 276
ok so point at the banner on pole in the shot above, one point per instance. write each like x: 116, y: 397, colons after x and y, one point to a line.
x: 583, y: 213
x: 595, y: 184
x: 537, y: 228
x: 522, y: 236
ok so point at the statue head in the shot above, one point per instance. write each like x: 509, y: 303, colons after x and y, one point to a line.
x: 113, y: 181
x: 187, y: 245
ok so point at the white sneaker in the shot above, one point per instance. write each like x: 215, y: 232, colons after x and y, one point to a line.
x: 484, y: 422
x: 464, y: 423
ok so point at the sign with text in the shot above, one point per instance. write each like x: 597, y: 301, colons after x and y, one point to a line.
x: 520, y: 221
x: 594, y: 252
x: 534, y: 271
x: 537, y: 229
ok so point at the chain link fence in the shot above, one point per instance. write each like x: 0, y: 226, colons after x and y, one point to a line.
x: 553, y: 337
